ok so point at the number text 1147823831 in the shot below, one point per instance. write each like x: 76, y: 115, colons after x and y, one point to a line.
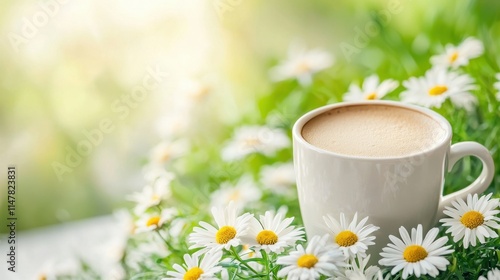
x: 11, y: 218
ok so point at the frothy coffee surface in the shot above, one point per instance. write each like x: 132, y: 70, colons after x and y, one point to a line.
x: 373, y: 131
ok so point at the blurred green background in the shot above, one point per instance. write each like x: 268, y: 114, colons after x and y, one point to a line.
x: 68, y: 66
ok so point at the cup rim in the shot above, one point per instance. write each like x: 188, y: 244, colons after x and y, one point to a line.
x: 299, y: 124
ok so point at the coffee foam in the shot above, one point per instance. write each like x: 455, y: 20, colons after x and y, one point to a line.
x: 373, y: 131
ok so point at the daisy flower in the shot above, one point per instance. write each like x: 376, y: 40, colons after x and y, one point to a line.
x: 372, y: 89
x: 155, y: 172
x: 416, y: 255
x: 272, y: 233
x: 230, y: 229
x: 150, y: 222
x: 358, y: 270
x: 320, y: 257
x: 435, y: 87
x: 167, y: 151
x: 456, y: 56
x: 196, y: 89
x: 302, y: 64
x: 151, y: 195
x: 172, y: 125
x: 352, y: 238
x: 255, y: 139
x: 194, y: 269
x: 497, y: 86
x: 279, y: 178
x: 242, y: 194
x: 493, y: 274
x: 472, y: 220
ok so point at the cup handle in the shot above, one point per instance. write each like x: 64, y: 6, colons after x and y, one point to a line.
x: 458, y: 151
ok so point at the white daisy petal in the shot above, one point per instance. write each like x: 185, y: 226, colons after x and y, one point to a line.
x: 255, y: 139
x: 279, y: 178
x: 358, y: 270
x: 302, y: 64
x: 243, y: 193
x: 497, y: 86
x: 370, y: 90
x: 493, y: 274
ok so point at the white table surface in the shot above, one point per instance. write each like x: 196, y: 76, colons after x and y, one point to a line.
x: 59, y: 246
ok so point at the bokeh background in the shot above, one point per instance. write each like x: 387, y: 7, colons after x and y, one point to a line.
x: 155, y: 68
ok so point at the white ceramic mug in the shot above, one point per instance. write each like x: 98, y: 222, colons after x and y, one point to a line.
x: 393, y: 192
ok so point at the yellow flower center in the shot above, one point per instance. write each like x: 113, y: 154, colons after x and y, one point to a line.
x: 235, y: 195
x: 165, y: 156
x: 249, y: 254
x: 280, y: 180
x: 472, y: 219
x: 155, y: 197
x: 371, y: 96
x: 453, y: 57
x: 42, y: 277
x: 437, y: 90
x: 346, y: 238
x: 267, y: 237
x: 307, y: 261
x: 153, y: 221
x: 251, y: 142
x: 193, y: 274
x: 224, y: 234
x: 201, y: 92
x: 302, y: 67
x: 414, y: 253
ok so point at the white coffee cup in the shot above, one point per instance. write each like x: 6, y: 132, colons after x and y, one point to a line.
x: 392, y: 191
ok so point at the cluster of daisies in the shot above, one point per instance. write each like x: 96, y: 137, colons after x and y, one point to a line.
x: 445, y: 80
x: 242, y: 246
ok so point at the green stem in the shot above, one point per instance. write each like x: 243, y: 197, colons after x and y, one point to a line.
x: 266, y: 260
x: 170, y: 247
x: 237, y: 257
